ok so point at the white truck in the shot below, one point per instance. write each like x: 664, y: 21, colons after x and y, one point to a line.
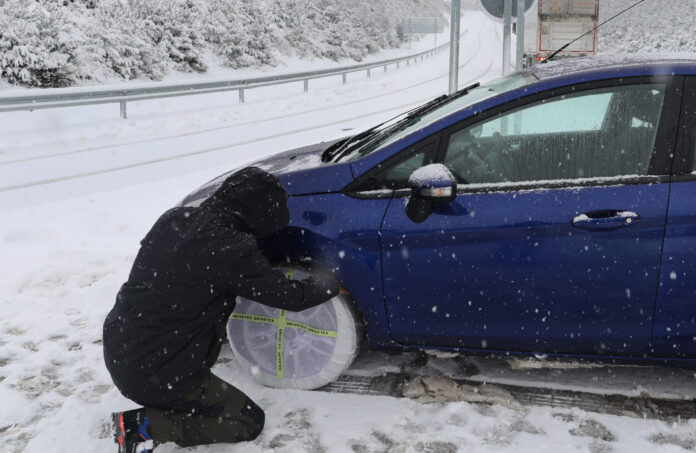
x: 556, y: 23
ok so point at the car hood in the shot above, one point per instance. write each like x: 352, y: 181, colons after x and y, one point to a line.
x: 300, y: 170
x: 296, y: 159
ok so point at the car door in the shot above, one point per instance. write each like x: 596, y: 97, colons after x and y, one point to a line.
x: 675, y: 312
x: 553, y: 242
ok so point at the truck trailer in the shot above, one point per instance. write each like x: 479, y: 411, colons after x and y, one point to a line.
x: 556, y: 23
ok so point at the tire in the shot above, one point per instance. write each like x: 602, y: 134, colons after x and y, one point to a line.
x: 316, y: 345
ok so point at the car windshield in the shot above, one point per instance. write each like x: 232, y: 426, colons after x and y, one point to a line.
x: 408, y: 125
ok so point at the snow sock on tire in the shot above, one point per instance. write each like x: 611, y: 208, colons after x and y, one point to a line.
x: 132, y: 431
x: 301, y: 350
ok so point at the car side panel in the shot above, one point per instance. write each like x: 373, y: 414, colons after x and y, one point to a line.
x: 674, y: 331
x: 340, y: 234
x: 508, y: 271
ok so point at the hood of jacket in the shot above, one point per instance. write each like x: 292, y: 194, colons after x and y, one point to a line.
x: 255, y: 197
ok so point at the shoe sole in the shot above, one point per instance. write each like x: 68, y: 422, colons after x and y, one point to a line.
x: 118, y: 431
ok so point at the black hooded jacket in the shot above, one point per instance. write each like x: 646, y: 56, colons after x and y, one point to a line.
x: 171, y: 314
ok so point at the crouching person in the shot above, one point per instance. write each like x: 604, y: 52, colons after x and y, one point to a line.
x: 166, y: 329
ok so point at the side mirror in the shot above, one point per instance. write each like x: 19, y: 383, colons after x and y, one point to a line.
x: 429, y: 185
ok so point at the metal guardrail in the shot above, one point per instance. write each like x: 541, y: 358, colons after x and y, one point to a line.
x: 70, y: 97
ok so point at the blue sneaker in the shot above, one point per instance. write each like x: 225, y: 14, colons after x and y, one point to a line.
x: 132, y: 431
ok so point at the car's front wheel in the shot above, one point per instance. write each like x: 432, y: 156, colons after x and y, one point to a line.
x: 300, y: 350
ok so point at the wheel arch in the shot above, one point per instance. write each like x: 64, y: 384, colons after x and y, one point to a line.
x: 358, y: 269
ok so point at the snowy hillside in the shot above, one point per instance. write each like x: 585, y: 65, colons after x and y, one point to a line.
x: 45, y: 43
x: 652, y: 26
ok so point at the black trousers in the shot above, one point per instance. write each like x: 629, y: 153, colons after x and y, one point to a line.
x: 219, y: 413
x: 214, y: 412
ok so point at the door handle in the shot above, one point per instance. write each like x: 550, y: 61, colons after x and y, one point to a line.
x: 605, y: 220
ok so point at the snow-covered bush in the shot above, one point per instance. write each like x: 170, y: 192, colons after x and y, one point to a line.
x: 60, y: 42
x: 176, y: 25
x: 37, y: 44
x: 121, y: 46
x: 333, y: 29
x: 299, y: 24
x: 241, y: 31
x: 343, y: 34
x: 90, y: 4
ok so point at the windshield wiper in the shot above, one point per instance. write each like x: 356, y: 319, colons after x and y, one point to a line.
x: 462, y: 91
x: 337, y: 149
x: 340, y: 149
x: 418, y: 111
x: 331, y: 150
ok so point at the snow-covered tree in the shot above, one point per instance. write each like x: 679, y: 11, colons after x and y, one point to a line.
x: 242, y: 32
x: 37, y: 44
x: 176, y: 25
x: 60, y: 42
x: 121, y: 46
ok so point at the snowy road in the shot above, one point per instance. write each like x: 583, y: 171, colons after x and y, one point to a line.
x: 78, y: 190
x: 265, y: 128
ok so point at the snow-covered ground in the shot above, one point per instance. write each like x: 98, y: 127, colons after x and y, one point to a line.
x: 79, y: 188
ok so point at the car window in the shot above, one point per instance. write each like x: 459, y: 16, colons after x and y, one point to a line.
x: 550, y: 116
x: 402, y: 170
x: 395, y: 175
x: 595, y: 133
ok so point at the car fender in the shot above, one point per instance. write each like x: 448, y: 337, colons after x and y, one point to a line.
x: 328, y: 233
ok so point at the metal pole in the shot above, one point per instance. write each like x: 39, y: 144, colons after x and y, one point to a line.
x: 507, y: 21
x: 306, y: 85
x: 454, y: 46
x: 124, y: 112
x: 241, y: 95
x: 519, y: 57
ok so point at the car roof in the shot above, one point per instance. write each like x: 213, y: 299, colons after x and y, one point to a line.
x: 651, y: 63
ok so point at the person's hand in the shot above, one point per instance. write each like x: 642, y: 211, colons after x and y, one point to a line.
x: 320, y: 289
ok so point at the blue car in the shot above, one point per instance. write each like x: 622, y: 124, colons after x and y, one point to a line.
x: 549, y: 212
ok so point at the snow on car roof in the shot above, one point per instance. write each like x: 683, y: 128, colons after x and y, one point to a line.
x: 603, y: 62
